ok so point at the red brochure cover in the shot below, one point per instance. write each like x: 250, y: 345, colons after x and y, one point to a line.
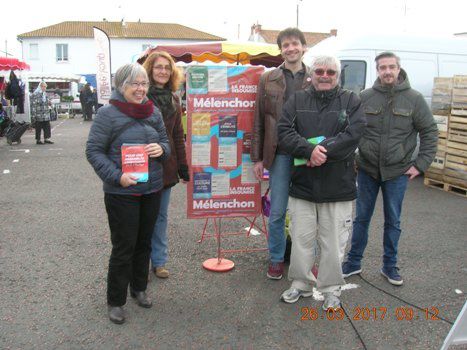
x: 135, y: 161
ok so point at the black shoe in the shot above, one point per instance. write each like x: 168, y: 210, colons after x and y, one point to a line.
x: 141, y: 298
x: 39, y: 142
x: 116, y: 314
x: 49, y: 142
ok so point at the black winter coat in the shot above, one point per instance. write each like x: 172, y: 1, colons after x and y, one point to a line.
x: 338, y: 116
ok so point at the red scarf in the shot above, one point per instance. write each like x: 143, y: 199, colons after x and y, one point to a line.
x: 134, y: 110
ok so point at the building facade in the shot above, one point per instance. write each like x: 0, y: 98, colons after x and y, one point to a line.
x: 69, y: 48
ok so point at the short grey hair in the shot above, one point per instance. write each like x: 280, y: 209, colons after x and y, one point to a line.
x: 327, y: 61
x: 128, y: 73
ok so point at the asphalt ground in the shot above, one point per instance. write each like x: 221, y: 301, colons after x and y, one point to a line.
x: 54, y: 249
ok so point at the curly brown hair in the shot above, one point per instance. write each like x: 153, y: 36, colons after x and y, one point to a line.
x: 176, y: 76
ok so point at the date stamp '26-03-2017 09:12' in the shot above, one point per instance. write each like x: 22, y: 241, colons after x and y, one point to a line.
x: 366, y: 313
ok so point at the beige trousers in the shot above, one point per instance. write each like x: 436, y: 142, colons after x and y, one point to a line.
x: 326, y: 225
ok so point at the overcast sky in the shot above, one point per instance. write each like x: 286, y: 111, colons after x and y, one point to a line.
x: 442, y: 17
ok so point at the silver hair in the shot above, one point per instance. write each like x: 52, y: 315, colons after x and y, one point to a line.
x: 327, y: 61
x: 127, y: 74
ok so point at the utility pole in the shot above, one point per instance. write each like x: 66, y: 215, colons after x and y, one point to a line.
x: 298, y: 10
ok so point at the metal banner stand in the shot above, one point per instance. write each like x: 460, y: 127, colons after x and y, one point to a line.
x: 218, y: 264
x: 221, y: 264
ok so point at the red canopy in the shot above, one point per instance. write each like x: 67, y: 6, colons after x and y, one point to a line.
x: 13, y: 64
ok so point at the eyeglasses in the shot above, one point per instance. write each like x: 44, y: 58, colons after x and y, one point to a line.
x: 143, y: 84
x: 329, y: 72
x: 160, y: 68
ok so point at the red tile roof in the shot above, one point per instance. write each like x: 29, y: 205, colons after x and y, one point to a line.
x: 121, y: 30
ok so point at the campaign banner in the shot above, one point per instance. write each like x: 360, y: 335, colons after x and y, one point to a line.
x: 220, y: 113
x: 103, y: 76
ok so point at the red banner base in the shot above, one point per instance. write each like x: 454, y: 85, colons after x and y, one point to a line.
x: 218, y: 265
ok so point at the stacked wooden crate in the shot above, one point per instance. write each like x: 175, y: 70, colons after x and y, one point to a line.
x: 455, y: 172
x: 449, y: 104
x: 441, y: 108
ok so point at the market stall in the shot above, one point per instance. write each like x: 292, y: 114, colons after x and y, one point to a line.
x: 235, y: 52
x: 7, y: 65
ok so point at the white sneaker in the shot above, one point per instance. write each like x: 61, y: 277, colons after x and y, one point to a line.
x: 331, y: 302
x: 291, y: 295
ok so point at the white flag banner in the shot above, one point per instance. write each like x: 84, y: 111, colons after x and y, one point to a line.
x: 103, y: 76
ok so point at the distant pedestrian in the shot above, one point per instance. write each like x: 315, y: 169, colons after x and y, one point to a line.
x: 41, y: 113
x: 131, y: 206
x: 165, y: 79
x: 86, y: 98
x: 15, y: 92
x: 95, y: 101
x: 396, y: 114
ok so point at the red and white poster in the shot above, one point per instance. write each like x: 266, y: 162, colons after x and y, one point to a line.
x: 220, y: 110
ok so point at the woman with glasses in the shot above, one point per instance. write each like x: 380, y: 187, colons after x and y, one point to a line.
x: 165, y: 79
x: 131, y: 203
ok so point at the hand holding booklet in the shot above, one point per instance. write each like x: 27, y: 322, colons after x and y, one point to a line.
x: 135, y: 161
x: 314, y: 141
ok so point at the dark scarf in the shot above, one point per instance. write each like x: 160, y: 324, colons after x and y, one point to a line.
x: 162, y: 98
x: 134, y: 110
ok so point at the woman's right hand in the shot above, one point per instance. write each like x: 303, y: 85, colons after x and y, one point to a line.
x: 128, y: 180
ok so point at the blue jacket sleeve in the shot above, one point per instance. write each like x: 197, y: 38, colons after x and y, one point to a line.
x: 97, y: 149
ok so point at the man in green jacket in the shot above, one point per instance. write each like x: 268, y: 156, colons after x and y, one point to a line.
x: 395, y: 114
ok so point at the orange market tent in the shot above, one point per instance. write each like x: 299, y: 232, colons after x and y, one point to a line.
x: 247, y: 52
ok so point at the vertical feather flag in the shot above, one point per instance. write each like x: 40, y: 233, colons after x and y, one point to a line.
x: 103, y: 76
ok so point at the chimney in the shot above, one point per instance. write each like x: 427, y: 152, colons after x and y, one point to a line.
x: 333, y: 32
x: 258, y: 28
x: 123, y: 22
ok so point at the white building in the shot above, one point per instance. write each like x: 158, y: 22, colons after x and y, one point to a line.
x: 68, y: 47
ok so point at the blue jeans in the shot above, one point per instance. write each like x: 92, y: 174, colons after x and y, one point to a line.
x: 279, y: 182
x: 393, y: 194
x: 159, y: 235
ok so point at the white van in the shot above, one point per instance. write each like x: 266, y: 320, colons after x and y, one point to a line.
x: 423, y: 58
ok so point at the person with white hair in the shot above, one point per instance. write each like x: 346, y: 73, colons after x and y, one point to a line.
x: 41, y: 114
x: 320, y: 126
